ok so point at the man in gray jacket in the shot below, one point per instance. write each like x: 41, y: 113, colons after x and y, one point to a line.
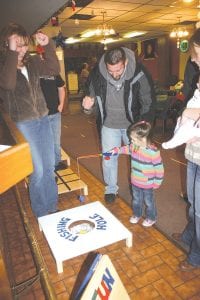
x: 121, y: 92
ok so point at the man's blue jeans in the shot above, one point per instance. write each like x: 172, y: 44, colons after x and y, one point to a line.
x: 142, y: 198
x: 42, y: 185
x: 112, y: 138
x: 55, y: 122
x: 191, y: 234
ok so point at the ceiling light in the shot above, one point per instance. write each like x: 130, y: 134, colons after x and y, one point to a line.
x: 173, y: 4
x: 71, y: 40
x: 107, y: 41
x: 76, y: 21
x: 88, y: 33
x: 134, y: 34
x: 104, y: 29
x: 178, y: 33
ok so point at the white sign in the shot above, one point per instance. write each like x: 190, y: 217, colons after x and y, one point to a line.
x: 105, y: 283
x: 4, y: 147
x: 82, y: 229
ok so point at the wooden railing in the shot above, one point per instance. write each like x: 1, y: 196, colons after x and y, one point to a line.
x: 15, y: 162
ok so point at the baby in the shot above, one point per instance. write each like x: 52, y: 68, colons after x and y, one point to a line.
x: 186, y: 128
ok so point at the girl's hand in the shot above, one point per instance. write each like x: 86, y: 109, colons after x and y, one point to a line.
x: 110, y: 153
x: 42, y: 39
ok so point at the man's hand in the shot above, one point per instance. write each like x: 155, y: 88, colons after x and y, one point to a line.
x: 88, y: 102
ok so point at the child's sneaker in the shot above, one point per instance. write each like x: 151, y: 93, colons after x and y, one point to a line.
x: 134, y: 219
x: 148, y: 222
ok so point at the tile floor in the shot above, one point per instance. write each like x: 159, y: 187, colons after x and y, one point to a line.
x: 148, y: 270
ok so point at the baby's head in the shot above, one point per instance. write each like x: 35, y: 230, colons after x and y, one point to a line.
x: 139, y: 133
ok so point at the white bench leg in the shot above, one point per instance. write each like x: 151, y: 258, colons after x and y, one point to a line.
x: 85, y: 190
x: 59, y: 266
x: 129, y: 241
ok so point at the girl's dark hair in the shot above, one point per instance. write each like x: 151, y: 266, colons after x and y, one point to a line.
x: 114, y: 56
x: 9, y: 30
x: 141, y: 129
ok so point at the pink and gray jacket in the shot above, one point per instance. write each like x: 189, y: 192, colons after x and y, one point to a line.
x: 147, y: 169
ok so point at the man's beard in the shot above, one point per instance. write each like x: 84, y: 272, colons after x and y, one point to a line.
x: 117, y: 82
x: 116, y: 78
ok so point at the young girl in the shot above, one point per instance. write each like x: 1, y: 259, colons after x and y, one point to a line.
x: 146, y: 171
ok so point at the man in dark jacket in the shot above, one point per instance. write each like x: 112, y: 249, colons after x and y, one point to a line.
x: 121, y: 92
x: 191, y: 77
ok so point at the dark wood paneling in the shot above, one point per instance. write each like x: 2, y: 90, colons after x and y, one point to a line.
x: 164, y: 62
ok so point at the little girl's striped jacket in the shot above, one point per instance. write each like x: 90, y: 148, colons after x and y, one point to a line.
x: 147, y: 169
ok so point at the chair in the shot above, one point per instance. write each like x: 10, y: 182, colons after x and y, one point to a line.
x: 167, y: 108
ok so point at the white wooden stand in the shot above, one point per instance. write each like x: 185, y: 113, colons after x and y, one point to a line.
x: 69, y: 181
x: 82, y: 229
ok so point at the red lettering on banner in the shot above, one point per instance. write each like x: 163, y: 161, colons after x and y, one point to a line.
x: 106, y: 294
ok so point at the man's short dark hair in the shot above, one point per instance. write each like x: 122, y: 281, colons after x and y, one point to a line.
x: 114, y: 56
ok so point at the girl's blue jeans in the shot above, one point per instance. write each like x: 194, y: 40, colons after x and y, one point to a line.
x: 144, y: 198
